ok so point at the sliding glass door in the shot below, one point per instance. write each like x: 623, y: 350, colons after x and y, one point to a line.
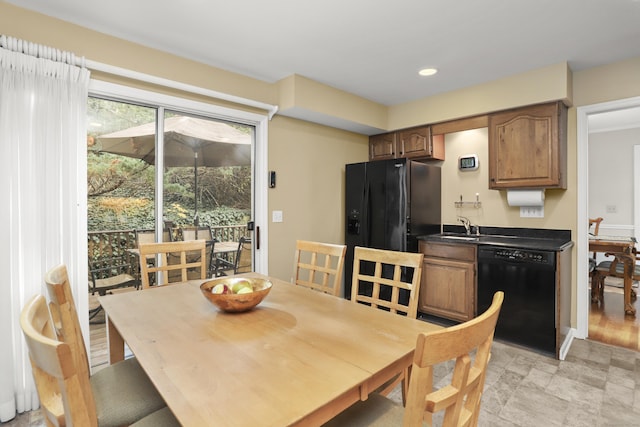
x: 196, y: 172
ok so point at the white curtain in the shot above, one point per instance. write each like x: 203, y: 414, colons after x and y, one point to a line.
x: 43, y: 98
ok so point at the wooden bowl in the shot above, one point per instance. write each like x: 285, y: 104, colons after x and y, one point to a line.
x: 236, y: 303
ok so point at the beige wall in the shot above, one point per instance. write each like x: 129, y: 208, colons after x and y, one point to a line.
x: 309, y: 162
x: 611, y: 82
x: 309, y: 159
x: 611, y: 164
x: 494, y: 210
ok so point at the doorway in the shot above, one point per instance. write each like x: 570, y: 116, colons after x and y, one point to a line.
x: 584, y: 114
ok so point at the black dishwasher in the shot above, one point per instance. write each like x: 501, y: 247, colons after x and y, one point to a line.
x: 528, y: 279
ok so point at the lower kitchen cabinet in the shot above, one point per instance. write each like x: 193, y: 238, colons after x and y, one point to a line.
x: 448, y: 284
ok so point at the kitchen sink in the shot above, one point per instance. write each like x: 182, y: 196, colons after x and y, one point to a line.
x: 467, y: 238
x: 489, y: 239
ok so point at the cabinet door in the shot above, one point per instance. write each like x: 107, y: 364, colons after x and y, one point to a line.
x: 382, y: 146
x: 419, y: 143
x: 447, y: 289
x: 415, y: 142
x: 527, y: 147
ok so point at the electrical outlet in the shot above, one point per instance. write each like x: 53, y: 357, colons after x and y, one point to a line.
x: 612, y: 209
x: 276, y: 216
x: 531, y: 211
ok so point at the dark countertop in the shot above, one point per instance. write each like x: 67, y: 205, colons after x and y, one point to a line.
x: 522, y: 238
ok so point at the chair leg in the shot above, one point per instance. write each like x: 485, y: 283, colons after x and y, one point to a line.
x: 601, y: 278
x: 595, y: 281
x: 93, y: 313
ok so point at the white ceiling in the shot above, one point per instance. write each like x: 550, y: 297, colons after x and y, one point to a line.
x: 371, y: 48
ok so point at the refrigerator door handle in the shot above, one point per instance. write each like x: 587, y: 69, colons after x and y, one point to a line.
x: 366, y: 224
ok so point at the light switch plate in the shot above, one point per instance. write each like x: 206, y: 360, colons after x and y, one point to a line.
x: 276, y: 216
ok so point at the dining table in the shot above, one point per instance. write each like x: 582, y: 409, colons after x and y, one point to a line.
x: 298, y: 358
x: 622, y: 248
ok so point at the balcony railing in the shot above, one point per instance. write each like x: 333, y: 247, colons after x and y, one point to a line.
x: 114, y: 243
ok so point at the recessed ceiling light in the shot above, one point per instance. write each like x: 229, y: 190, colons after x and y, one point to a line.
x: 427, y: 71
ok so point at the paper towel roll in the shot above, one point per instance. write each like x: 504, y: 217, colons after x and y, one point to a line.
x: 525, y: 197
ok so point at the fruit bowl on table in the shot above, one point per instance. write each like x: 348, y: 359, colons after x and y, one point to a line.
x: 236, y: 294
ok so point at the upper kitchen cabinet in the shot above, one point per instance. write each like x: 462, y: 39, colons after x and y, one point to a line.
x: 528, y: 147
x: 415, y: 143
x: 383, y: 146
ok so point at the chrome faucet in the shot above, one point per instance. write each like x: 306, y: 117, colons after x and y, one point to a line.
x: 467, y: 224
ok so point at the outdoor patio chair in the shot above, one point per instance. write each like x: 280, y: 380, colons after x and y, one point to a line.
x: 242, y: 262
x: 149, y: 236
x: 109, y: 274
x: 202, y: 232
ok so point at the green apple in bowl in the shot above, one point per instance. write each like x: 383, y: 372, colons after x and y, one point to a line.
x: 242, y: 287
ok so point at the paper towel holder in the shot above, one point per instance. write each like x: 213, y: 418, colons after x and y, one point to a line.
x: 526, y: 197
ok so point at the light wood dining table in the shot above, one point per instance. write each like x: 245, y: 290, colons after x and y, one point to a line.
x: 299, y: 358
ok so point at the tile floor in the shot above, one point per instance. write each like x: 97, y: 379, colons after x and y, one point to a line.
x: 597, y: 385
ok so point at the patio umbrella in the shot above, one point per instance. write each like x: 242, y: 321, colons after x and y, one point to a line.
x: 188, y: 141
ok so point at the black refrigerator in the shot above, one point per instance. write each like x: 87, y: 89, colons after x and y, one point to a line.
x: 388, y: 204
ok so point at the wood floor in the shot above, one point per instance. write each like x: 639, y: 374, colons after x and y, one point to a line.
x: 98, y: 338
x: 609, y: 325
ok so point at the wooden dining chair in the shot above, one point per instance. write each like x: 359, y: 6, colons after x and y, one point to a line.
x: 595, y: 224
x: 173, y: 259
x: 319, y: 266
x: 614, y: 268
x: 389, y: 280
x: 122, y: 392
x: 379, y: 276
x: 469, y: 346
x: 66, y: 399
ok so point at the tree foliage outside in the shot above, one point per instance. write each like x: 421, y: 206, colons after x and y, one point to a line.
x: 120, y: 190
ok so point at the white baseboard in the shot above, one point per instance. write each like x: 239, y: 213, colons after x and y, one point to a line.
x: 564, y: 348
